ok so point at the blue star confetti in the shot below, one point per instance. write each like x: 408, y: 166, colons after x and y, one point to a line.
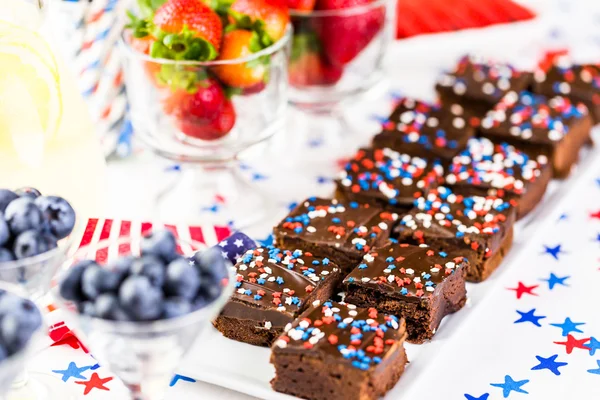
x: 597, y: 237
x: 554, y: 280
x: 482, y: 397
x: 595, y: 371
x: 72, y: 371
x: 549, y: 363
x: 268, y: 241
x: 553, y: 251
x: 562, y: 217
x: 259, y: 177
x: 510, y: 385
x: 321, y: 180
x: 213, y: 209
x: 178, y: 378
x: 593, y: 345
x: 317, y: 142
x: 569, y: 326
x: 529, y: 316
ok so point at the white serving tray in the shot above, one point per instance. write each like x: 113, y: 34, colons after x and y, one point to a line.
x: 246, y: 368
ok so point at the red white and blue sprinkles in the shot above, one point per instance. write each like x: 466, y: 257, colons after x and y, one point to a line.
x: 361, y: 336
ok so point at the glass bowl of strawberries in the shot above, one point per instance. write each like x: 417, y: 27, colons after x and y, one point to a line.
x: 337, y: 49
x: 207, y: 80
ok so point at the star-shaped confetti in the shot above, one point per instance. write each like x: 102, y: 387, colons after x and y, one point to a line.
x: 259, y: 177
x: 72, y: 371
x: 178, y: 378
x: 482, y: 397
x: 521, y: 289
x: 510, y: 385
x: 596, y: 370
x: 556, y: 280
x: 573, y: 343
x: 597, y: 239
x: 529, y: 316
x: 268, y: 241
x: 563, y: 217
x: 95, y: 382
x: 549, y: 363
x: 593, y: 345
x: 595, y: 215
x: 569, y: 326
x: 553, y: 251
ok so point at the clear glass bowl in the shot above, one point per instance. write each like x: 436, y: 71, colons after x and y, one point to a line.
x: 338, y: 54
x: 14, y: 366
x: 205, y: 141
x: 144, y: 355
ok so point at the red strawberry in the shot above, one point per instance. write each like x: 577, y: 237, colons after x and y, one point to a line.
x: 274, y: 13
x: 198, y: 18
x: 309, y: 69
x: 343, y: 37
x: 205, y: 113
x: 240, y: 43
x: 301, y: 5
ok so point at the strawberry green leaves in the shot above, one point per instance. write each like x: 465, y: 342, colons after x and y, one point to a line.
x: 243, y: 21
x: 182, y: 46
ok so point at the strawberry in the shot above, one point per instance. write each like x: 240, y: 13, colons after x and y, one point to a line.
x: 236, y: 44
x: 310, y: 69
x: 307, y: 66
x: 301, y: 5
x: 204, y: 112
x: 343, y: 37
x: 273, y: 13
x: 186, y: 27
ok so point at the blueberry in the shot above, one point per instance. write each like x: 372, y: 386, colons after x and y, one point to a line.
x: 70, y: 286
x: 209, y: 291
x: 122, y: 264
x: 3, y: 353
x: 6, y: 196
x: 140, y: 299
x: 160, y: 243
x: 174, y: 307
x: 30, y: 192
x: 6, y: 255
x: 182, y: 279
x: 58, y: 213
x: 211, y: 264
x: 87, y: 308
x: 4, y: 230
x: 22, y: 215
x: 199, y: 303
x: 19, y: 323
x: 31, y: 243
x: 107, y: 306
x: 97, y: 280
x: 151, y: 267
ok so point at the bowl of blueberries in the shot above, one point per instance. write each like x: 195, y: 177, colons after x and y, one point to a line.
x: 20, y: 321
x: 35, y: 233
x: 140, y: 304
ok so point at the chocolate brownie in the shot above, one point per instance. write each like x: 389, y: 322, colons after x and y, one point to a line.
x: 480, y: 227
x: 273, y: 287
x: 486, y: 167
x: 338, y: 351
x: 340, y: 231
x: 579, y: 82
x: 530, y: 121
x: 387, y: 178
x: 425, y: 130
x: 415, y: 282
x: 478, y: 84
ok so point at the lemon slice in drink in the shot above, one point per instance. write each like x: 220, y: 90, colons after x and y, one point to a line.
x: 30, y: 98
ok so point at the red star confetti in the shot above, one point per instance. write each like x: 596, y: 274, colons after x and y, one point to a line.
x: 595, y: 215
x: 521, y: 289
x: 573, y: 343
x: 95, y: 382
x: 61, y: 335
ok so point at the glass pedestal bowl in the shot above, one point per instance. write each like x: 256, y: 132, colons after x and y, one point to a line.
x: 144, y: 355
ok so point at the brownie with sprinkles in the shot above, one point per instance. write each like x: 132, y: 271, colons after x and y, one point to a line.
x: 530, y: 121
x: 579, y: 82
x: 477, y: 84
x: 338, y: 351
x: 273, y: 287
x: 415, y: 282
x: 340, y: 231
x: 480, y: 227
x: 424, y: 130
x: 387, y: 178
x: 486, y: 167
